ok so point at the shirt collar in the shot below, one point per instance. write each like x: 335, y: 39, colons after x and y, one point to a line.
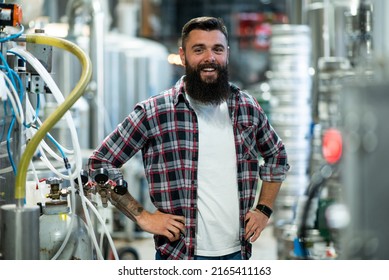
x: 179, y: 90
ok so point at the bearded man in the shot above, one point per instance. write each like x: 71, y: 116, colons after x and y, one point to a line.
x: 206, y: 145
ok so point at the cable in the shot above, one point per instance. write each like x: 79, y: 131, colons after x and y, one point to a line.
x: 6, y: 66
x: 84, y: 201
x: 13, y: 36
x: 72, y: 219
x: 317, y: 181
x: 43, y: 146
x: 104, y: 218
x: 60, y: 99
x: 35, y: 119
x: 55, y: 117
x: 11, y: 126
x: 43, y: 156
x: 61, y: 110
x: 3, y: 121
x: 6, y: 170
x: 13, y: 97
x: 37, y: 181
x: 91, y: 206
x: 16, y: 106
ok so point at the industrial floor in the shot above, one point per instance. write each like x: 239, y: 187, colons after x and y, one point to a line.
x: 265, y: 248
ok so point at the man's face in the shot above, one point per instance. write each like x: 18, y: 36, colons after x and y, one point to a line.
x: 204, y: 50
x: 206, y: 60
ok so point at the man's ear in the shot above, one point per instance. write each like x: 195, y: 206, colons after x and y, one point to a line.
x: 182, y: 55
x: 228, y: 54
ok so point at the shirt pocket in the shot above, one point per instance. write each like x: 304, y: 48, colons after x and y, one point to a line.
x: 247, y: 142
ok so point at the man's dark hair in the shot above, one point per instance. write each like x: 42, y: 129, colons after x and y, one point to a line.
x: 202, y: 23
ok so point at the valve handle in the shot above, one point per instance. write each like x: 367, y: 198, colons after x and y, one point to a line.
x: 121, y: 187
x: 101, y: 176
x: 84, y: 177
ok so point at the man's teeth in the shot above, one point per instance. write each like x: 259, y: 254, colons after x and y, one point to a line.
x: 209, y: 69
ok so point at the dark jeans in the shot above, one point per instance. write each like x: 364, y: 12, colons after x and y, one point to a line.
x: 233, y: 256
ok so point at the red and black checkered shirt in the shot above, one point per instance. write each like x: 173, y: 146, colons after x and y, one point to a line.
x: 165, y: 129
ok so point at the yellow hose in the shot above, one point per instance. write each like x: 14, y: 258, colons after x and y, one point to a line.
x: 77, y: 92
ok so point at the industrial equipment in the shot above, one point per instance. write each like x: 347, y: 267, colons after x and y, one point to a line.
x: 27, y: 230
x: 342, y: 59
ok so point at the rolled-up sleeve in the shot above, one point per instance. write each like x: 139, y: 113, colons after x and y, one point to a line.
x: 120, y: 145
x: 273, y: 151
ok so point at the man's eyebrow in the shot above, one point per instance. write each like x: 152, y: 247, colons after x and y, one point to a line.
x: 203, y: 45
x: 220, y: 45
x: 198, y: 45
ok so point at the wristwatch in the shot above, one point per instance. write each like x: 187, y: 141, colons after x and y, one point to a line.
x: 265, y: 209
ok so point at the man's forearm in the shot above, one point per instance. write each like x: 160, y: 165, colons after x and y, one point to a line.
x: 127, y: 205
x: 269, y: 192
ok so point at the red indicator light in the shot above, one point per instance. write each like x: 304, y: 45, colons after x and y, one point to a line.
x: 332, y: 145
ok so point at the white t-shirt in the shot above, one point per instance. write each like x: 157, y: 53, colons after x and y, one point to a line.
x: 218, y: 203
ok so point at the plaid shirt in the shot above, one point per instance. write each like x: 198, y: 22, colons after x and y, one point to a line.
x: 165, y: 128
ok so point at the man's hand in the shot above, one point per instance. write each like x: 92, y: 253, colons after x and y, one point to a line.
x: 255, y: 223
x: 170, y: 226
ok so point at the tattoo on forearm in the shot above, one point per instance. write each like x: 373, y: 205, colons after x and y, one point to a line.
x: 128, y: 206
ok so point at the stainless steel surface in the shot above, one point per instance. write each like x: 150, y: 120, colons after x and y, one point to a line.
x: 364, y: 171
x: 19, y: 232
x: 90, y: 15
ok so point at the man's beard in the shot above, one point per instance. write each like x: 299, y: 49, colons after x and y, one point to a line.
x: 211, y: 92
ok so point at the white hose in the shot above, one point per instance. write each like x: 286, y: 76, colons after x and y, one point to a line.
x: 36, y: 179
x: 89, y: 221
x: 35, y: 63
x: 43, y: 146
x: 6, y: 170
x: 30, y: 113
x: 77, y: 151
x: 104, y: 218
x: 38, y: 120
x: 77, y: 157
x: 14, y: 98
x: 104, y: 227
x: 70, y: 228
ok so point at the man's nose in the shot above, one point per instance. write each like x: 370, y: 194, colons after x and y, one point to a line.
x: 210, y: 56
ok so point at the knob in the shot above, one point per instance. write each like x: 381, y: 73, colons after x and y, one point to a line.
x: 84, y: 177
x: 121, y: 187
x: 101, y: 176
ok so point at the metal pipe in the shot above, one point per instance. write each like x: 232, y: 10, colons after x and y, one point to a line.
x: 91, y: 14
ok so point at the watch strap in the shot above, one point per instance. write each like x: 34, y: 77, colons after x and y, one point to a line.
x: 264, y: 209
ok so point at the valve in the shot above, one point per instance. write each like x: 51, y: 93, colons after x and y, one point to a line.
x: 103, y: 184
x: 55, y: 190
x: 121, y: 187
x: 87, y: 188
x: 84, y: 178
x: 100, y: 176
